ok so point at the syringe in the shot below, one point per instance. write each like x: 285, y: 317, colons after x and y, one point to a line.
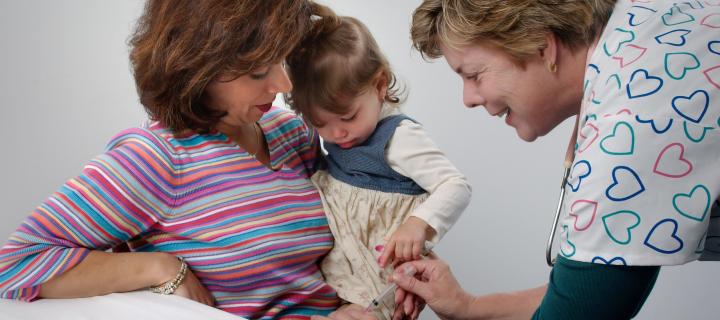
x: 375, y: 303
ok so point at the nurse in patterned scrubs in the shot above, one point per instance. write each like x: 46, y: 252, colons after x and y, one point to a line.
x: 643, y: 78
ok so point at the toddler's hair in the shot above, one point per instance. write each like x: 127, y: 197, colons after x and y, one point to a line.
x: 337, y: 61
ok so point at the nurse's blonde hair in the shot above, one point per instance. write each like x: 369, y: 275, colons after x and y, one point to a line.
x: 517, y: 27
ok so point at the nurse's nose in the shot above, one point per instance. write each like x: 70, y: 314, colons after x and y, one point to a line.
x: 471, y: 94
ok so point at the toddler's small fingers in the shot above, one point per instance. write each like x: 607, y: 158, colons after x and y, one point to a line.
x: 408, y: 252
x: 417, y: 250
x: 386, y: 255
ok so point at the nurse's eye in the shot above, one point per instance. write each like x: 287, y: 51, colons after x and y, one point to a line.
x: 473, y: 77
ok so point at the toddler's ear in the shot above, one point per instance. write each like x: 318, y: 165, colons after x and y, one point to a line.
x: 381, y: 85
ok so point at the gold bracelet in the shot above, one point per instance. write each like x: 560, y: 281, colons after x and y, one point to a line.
x: 170, y: 286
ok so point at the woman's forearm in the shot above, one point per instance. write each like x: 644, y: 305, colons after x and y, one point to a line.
x: 104, y: 272
x: 506, y: 306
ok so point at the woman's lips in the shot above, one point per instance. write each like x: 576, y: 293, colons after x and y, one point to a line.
x: 264, y: 107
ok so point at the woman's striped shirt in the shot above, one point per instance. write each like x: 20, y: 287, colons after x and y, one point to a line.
x: 252, y: 235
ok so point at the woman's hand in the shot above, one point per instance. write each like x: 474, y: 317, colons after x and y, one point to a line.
x: 407, y: 242
x: 193, y: 289
x: 190, y: 287
x: 348, y: 312
x: 434, y: 283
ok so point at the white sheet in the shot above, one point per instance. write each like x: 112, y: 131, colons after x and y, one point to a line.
x: 122, y: 306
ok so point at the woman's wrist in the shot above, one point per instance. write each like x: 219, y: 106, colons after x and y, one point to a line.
x: 165, y: 268
x: 169, y: 287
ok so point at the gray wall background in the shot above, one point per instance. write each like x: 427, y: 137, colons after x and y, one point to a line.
x: 66, y: 88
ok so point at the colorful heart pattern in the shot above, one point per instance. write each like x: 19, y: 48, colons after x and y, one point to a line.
x: 695, y: 133
x: 621, y: 141
x: 567, y: 248
x: 671, y: 162
x: 677, y: 64
x: 619, y: 225
x: 584, y: 212
x: 674, y: 38
x: 622, y: 37
x: 676, y: 17
x: 711, y: 21
x: 626, y: 184
x: 653, y: 124
x: 642, y: 84
x: 694, y: 205
x: 692, y: 107
x: 647, y: 163
x: 713, y: 76
x: 587, y: 136
x: 629, y: 54
x: 580, y: 171
x: 714, y: 47
x: 639, y: 15
x: 617, y: 261
x: 663, y: 237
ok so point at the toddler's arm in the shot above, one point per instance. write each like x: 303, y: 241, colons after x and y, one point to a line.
x: 413, y: 154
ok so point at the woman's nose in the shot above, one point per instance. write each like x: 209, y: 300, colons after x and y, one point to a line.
x: 471, y: 95
x: 279, y: 82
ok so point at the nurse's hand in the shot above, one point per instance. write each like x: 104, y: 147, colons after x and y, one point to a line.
x: 348, y: 312
x: 407, y: 305
x: 434, y: 283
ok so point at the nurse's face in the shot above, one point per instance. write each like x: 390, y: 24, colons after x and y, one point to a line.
x: 526, y: 95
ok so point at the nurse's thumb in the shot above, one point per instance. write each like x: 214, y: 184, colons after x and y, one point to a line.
x: 405, y: 279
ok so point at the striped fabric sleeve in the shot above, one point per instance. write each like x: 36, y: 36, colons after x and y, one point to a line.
x: 117, y: 196
x: 298, y: 141
x: 309, y: 147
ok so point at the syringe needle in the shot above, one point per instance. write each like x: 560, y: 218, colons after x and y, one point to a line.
x: 409, y: 271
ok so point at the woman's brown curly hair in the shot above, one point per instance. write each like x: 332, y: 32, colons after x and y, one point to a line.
x: 179, y: 46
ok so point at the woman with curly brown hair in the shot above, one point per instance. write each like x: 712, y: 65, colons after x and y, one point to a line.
x: 214, y: 196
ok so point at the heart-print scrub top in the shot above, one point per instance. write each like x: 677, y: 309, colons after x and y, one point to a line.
x: 647, y: 161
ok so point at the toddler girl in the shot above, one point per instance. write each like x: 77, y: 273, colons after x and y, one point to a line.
x: 386, y: 182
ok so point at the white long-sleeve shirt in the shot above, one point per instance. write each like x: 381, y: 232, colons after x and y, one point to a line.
x: 413, y: 154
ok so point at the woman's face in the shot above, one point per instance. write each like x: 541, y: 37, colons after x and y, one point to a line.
x: 527, y: 96
x: 247, y: 97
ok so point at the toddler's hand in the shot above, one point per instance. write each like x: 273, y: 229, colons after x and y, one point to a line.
x: 407, y: 242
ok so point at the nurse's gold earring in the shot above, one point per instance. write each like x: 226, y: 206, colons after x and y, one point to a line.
x: 552, y: 67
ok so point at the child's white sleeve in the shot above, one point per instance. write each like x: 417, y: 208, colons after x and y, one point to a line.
x: 413, y: 154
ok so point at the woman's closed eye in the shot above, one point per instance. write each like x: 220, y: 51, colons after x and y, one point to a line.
x: 260, y: 74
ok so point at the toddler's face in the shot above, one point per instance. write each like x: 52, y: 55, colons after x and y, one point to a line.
x: 355, y: 126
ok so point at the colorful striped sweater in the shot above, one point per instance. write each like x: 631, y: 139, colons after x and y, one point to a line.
x: 252, y: 235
